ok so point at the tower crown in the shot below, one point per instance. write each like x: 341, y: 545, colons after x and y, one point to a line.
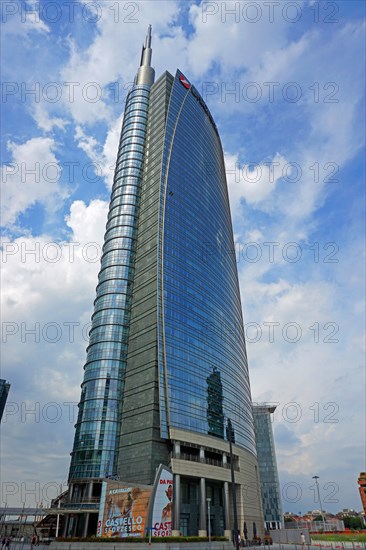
x: 145, y: 73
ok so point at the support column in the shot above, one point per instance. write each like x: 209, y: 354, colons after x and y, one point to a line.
x: 66, y: 524
x: 67, y: 518
x: 176, y: 509
x: 177, y: 449
x: 88, y: 494
x: 73, y: 520
x: 86, y: 525
x: 202, y: 454
x: 227, y: 532
x: 202, y: 531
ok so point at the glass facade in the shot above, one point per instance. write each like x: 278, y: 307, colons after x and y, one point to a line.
x: 200, y: 317
x: 98, y: 426
x: 167, y: 346
x: 166, y: 363
x: 270, y: 486
x: 141, y: 448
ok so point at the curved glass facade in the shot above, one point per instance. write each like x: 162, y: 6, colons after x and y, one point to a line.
x: 94, y: 453
x: 167, y: 309
x: 202, y: 358
x: 166, y: 362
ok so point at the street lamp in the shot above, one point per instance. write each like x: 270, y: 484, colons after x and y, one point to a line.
x: 320, y: 502
x: 299, y: 520
x: 230, y: 438
x: 209, y: 521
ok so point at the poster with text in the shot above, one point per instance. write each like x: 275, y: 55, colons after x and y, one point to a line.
x: 123, y: 510
x: 163, y: 502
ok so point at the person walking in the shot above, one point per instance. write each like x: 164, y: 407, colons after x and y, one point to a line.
x: 3, y: 542
x: 302, y: 540
x: 7, y: 543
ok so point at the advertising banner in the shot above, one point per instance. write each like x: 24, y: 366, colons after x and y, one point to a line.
x: 123, y: 511
x: 135, y: 511
x: 161, y: 522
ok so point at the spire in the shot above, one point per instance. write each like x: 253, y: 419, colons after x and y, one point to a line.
x: 148, y: 37
x: 146, y: 74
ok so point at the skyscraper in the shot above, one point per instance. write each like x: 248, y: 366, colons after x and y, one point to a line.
x: 166, y: 363
x: 270, y: 486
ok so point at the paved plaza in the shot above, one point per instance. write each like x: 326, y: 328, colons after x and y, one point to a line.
x: 25, y: 545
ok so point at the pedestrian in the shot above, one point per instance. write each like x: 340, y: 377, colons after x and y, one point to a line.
x: 302, y: 539
x: 3, y: 542
x: 7, y: 543
x: 33, y: 541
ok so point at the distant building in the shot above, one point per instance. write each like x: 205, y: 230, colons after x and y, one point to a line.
x: 348, y: 512
x: 4, y: 390
x: 17, y: 527
x: 269, y: 483
x: 362, y: 489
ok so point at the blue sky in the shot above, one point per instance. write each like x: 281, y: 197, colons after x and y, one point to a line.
x: 285, y: 84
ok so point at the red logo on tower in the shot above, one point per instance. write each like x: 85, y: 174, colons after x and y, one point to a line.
x: 185, y: 82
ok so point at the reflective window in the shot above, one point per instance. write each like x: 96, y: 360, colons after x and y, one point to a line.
x: 205, y: 362
x: 99, y: 419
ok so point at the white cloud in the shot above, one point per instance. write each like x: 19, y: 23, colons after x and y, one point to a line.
x: 88, y: 222
x: 44, y: 120
x: 269, y: 210
x: 46, y: 309
x: 112, y: 58
x: 104, y: 157
x: 331, y: 84
x: 255, y: 235
x: 43, y: 272
x: 32, y: 176
x: 327, y: 131
x: 303, y: 377
x: 254, y: 183
x: 21, y: 20
x: 224, y: 35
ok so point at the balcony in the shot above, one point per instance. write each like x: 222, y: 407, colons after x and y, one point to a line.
x: 85, y: 503
x: 204, y: 460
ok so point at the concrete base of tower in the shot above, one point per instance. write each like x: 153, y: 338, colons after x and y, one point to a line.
x: 83, y: 498
x: 202, y: 490
x: 204, y: 461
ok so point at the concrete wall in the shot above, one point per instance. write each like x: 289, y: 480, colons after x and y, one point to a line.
x: 293, y: 536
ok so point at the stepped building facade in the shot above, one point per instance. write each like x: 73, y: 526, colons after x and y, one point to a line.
x: 166, y: 363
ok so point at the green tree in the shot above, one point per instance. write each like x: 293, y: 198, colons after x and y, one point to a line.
x: 352, y: 522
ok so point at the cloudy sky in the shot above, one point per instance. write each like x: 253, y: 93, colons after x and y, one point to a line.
x: 284, y: 82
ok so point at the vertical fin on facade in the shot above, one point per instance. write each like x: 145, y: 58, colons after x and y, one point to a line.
x: 146, y: 74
